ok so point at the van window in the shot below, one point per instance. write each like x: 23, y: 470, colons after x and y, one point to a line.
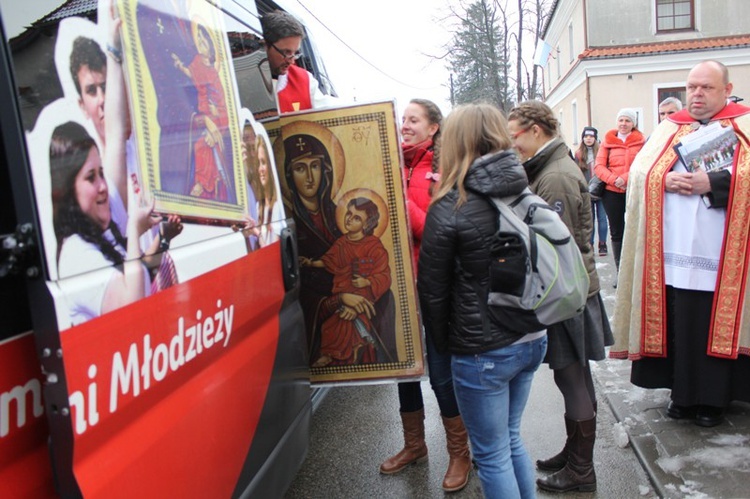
x: 15, y: 316
x: 310, y: 59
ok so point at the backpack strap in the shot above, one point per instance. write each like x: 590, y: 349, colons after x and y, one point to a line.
x: 525, y: 193
x: 506, y: 210
x: 481, y: 294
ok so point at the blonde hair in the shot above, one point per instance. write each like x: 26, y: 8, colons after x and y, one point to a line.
x: 268, y: 191
x: 469, y: 132
x: 534, y: 112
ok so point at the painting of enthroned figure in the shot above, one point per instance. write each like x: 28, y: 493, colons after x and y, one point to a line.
x: 341, y: 182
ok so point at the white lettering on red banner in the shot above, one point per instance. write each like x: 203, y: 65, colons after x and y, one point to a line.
x: 134, y: 370
x: 19, y: 397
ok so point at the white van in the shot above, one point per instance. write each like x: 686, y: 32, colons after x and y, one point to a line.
x: 151, y: 339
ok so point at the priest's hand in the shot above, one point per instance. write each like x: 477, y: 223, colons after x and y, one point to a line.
x: 678, y: 182
x: 699, y: 182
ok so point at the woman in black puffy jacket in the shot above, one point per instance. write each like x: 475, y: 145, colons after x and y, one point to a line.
x: 492, y: 370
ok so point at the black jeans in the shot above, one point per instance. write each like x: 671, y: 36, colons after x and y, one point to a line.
x: 614, y: 205
x: 441, y: 379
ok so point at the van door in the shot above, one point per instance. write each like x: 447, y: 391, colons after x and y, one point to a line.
x: 194, y: 382
x: 25, y: 469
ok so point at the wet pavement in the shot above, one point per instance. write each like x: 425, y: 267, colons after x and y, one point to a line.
x: 639, y: 452
x: 681, y: 459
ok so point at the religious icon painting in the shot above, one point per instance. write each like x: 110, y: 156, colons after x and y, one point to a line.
x: 184, y: 107
x: 341, y: 180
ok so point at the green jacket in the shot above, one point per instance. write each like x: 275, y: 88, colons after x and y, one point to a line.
x: 556, y: 178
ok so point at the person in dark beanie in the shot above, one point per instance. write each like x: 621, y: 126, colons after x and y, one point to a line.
x: 585, y: 156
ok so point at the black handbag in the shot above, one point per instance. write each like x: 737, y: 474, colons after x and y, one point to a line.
x: 596, y: 187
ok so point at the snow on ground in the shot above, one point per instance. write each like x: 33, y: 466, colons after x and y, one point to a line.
x: 726, y: 452
x: 621, y: 435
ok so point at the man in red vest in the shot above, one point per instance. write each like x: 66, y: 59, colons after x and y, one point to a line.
x: 296, y: 88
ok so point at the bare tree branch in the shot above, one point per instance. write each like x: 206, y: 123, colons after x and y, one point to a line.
x: 486, y: 53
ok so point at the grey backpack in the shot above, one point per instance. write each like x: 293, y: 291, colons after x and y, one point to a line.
x: 537, y: 274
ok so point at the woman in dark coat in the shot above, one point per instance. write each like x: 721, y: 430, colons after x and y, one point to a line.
x: 492, y: 369
x: 557, y: 179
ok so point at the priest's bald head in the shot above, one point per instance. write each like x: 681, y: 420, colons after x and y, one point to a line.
x: 708, y: 89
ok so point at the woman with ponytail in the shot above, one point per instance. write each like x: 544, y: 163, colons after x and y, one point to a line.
x: 557, y: 179
x: 420, y: 131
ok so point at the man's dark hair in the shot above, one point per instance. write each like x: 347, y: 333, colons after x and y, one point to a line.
x: 86, y: 52
x: 278, y: 24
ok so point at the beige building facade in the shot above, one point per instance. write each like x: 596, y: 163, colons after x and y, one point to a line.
x: 610, y: 54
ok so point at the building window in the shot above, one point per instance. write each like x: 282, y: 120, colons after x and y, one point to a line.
x: 678, y: 92
x: 574, y: 114
x: 559, y: 68
x: 674, y: 15
x: 571, y: 48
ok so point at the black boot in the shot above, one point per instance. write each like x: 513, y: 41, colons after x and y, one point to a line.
x: 578, y: 474
x: 616, y: 251
x: 558, y: 462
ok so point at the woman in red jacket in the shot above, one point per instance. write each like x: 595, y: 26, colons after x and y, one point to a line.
x: 616, y: 154
x: 420, y: 131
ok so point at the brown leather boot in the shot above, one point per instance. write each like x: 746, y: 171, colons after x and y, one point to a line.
x: 459, y: 465
x: 558, y: 462
x: 415, y: 448
x: 578, y: 474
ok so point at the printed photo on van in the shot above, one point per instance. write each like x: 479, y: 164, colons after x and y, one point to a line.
x: 112, y: 228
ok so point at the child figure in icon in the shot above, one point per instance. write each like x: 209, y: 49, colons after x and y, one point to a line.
x: 359, y: 263
x: 210, y: 179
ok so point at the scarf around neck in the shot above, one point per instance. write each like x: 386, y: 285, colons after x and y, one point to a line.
x: 414, y: 152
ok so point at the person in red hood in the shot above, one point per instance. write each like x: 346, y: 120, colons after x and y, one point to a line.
x: 616, y: 154
x: 420, y: 131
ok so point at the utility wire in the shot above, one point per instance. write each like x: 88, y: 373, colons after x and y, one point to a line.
x: 360, y: 55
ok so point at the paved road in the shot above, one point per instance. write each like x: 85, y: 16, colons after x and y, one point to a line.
x: 356, y: 428
x: 639, y: 451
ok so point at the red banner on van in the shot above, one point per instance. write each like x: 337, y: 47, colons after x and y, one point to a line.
x: 165, y: 394
x: 24, y: 459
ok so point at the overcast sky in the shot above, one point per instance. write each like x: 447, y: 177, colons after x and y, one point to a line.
x: 396, y: 36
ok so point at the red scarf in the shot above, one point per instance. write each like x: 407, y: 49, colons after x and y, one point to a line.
x: 414, y: 152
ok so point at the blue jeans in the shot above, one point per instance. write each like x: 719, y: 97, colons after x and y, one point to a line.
x: 492, y: 389
x: 599, y: 216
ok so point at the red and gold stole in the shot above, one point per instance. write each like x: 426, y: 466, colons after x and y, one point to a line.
x: 733, y: 265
